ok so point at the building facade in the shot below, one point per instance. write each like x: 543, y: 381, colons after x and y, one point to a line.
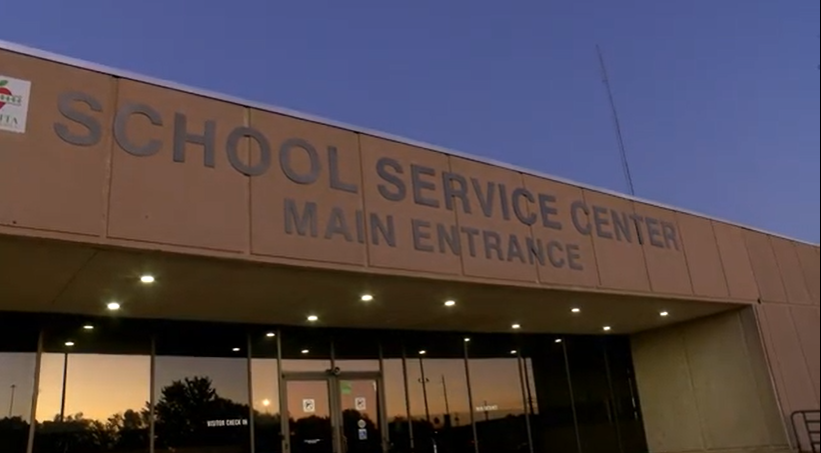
x: 183, y: 271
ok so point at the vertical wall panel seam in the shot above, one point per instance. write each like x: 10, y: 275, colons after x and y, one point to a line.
x: 794, y: 248
x: 747, y: 353
x: 684, y: 252
x: 774, y: 365
x: 108, y: 182
x: 702, y: 430
x: 365, y: 211
x: 644, y: 254
x: 780, y: 271
x: 720, y: 260
x: 803, y: 354
x: 249, y: 244
x: 458, y: 224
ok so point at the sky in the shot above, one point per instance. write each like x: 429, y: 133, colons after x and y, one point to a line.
x: 718, y: 100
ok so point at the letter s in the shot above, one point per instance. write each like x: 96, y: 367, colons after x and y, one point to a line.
x: 382, y: 171
x: 64, y: 105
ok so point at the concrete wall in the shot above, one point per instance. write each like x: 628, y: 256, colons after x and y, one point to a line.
x: 704, y: 386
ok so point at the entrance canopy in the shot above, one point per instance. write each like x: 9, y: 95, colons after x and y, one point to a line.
x: 50, y: 276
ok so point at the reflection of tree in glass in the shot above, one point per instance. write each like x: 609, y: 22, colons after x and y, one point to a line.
x: 124, y: 432
x: 182, y: 414
x: 351, y: 419
x: 186, y: 408
x: 311, y: 432
x: 13, y: 434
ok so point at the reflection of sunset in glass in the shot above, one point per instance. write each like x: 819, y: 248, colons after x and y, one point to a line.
x: 203, y: 389
x: 99, y: 386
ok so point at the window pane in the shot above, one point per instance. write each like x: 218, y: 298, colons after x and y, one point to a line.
x: 496, y: 379
x: 625, y: 395
x: 397, y: 415
x: 552, y: 425
x: 356, y: 350
x: 305, y: 350
x: 18, y: 354
x: 438, y: 390
x: 264, y: 371
x: 202, y: 389
x: 591, y: 393
x: 94, y: 387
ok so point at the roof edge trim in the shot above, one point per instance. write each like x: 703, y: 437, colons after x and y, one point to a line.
x: 89, y: 66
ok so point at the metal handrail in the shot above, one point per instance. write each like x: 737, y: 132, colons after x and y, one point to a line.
x: 810, y: 421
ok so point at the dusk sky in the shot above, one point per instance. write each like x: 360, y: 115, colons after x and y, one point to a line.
x: 719, y: 100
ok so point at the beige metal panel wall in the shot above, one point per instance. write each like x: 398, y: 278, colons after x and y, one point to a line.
x: 736, y: 261
x: 791, y: 337
x: 704, y: 387
x: 811, y: 269
x: 146, y: 166
x: 127, y: 163
x: 44, y: 184
x: 703, y: 257
x: 180, y: 192
x: 791, y: 272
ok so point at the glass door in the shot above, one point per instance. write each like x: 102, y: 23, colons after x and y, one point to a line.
x: 309, y: 426
x: 359, y: 407
x: 329, y: 413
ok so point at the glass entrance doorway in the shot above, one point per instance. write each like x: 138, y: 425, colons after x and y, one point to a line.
x: 332, y: 413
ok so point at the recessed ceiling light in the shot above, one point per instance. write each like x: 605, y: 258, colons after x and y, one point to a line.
x: 366, y: 298
x: 450, y: 303
x: 516, y: 326
x: 69, y: 343
x: 313, y: 318
x: 147, y: 279
x: 607, y: 328
x: 88, y: 327
x: 113, y: 306
x: 270, y: 335
x: 423, y: 352
x: 513, y: 352
x: 576, y: 310
x: 235, y: 349
x: 664, y: 314
x: 305, y: 351
x: 558, y: 340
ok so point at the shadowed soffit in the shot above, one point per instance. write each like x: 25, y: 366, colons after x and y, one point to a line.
x: 49, y: 276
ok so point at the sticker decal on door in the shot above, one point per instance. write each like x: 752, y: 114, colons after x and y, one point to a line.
x: 308, y: 405
x: 360, y: 403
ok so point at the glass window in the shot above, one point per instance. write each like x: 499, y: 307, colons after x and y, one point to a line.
x: 201, y: 388
x: 356, y: 350
x: 94, y: 387
x: 439, y: 400
x: 625, y: 406
x: 18, y: 354
x: 497, y: 383
x: 592, y: 394
x: 265, y: 390
x: 393, y: 375
x: 305, y: 349
x: 552, y: 425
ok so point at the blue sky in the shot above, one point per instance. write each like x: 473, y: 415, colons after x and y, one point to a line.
x: 719, y: 100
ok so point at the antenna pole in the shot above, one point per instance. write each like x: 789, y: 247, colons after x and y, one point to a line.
x: 625, y: 166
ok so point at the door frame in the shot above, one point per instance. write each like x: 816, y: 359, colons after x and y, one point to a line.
x: 332, y: 380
